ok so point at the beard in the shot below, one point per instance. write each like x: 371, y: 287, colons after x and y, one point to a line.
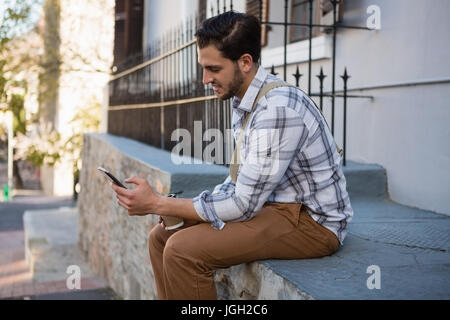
x: 235, y: 85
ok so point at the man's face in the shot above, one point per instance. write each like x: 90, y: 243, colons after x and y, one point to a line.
x: 223, y: 74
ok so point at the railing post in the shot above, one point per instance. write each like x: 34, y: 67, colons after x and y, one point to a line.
x: 272, y: 70
x: 285, y: 37
x: 310, y: 45
x: 335, y: 2
x: 260, y: 21
x: 321, y: 77
x: 297, y: 76
x: 162, y: 117
x: 260, y: 10
x: 345, y: 77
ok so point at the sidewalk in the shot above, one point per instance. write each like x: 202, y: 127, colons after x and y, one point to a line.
x: 16, y: 280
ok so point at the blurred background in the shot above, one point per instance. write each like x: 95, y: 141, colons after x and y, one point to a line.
x: 55, y: 61
x: 71, y: 67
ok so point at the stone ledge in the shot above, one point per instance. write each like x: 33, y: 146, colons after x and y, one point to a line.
x: 116, y: 245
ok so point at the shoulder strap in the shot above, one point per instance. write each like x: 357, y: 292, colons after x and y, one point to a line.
x: 262, y: 93
x: 234, y: 165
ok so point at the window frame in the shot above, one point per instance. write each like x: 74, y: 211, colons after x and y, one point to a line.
x: 252, y: 7
x: 316, y: 20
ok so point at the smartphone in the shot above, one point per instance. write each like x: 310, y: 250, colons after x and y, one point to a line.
x: 110, y: 176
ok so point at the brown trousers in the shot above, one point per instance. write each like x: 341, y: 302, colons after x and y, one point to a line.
x: 184, y: 259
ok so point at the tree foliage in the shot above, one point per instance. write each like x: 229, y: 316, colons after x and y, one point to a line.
x: 15, y: 19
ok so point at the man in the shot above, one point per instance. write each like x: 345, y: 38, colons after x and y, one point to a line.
x: 288, y: 199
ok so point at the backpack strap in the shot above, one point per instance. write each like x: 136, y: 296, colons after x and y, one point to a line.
x: 234, y: 165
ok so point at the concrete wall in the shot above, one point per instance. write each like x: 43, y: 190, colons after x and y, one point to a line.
x: 404, y: 129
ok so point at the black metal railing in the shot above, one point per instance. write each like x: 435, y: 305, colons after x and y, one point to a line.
x: 164, y: 90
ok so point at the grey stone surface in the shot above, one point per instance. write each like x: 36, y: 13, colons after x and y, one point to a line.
x: 410, y: 246
x: 51, y: 243
x: 92, y: 294
x: 255, y: 280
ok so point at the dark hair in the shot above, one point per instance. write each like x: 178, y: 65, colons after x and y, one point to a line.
x: 233, y: 34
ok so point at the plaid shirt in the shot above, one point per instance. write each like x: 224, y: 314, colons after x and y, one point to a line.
x: 287, y: 155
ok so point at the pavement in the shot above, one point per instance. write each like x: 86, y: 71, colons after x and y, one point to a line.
x: 17, y: 281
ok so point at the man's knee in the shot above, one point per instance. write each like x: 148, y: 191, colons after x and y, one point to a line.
x: 155, y: 237
x: 178, y: 247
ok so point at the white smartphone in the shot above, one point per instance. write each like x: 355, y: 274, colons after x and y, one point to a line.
x: 110, y: 176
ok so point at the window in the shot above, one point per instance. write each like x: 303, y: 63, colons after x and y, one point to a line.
x: 322, y: 14
x: 252, y: 7
x: 300, y: 14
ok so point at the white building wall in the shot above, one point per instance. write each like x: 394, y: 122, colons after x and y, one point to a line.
x: 87, y: 38
x: 162, y: 16
x: 404, y: 127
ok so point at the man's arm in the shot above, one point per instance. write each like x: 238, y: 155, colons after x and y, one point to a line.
x: 143, y: 200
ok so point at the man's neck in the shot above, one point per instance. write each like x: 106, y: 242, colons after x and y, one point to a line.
x: 247, y: 80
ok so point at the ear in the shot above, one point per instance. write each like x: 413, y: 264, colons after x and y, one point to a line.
x: 245, y: 62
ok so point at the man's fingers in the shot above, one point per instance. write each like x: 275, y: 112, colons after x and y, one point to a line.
x: 161, y: 221
x: 123, y: 200
x: 134, y: 180
x: 124, y: 205
x: 119, y: 190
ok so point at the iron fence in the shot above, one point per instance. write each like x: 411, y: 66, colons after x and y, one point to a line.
x: 152, y: 95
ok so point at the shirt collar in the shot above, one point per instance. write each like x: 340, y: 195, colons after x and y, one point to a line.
x: 252, y: 91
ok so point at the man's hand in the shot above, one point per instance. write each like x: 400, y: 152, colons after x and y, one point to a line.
x: 143, y: 200
x: 139, y: 201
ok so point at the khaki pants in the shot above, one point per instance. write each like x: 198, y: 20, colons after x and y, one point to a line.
x: 184, y: 260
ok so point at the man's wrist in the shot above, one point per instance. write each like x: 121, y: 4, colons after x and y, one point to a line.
x: 160, y: 204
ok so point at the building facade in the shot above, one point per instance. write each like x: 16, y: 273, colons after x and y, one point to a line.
x: 397, y: 59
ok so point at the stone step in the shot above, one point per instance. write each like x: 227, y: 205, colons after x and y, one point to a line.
x: 51, y: 244
x: 365, y: 180
x: 91, y: 294
x: 410, y: 246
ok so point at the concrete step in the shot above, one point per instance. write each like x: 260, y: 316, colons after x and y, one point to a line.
x: 365, y: 180
x: 410, y: 247
x: 51, y: 244
x: 91, y: 294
